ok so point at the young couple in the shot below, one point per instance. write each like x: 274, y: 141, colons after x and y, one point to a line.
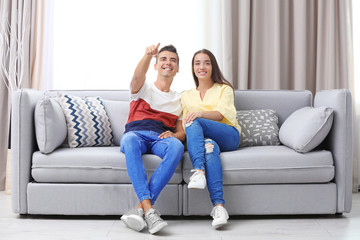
x: 208, y: 117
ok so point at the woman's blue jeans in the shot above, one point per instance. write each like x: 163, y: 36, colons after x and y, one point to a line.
x: 136, y: 143
x: 205, y: 140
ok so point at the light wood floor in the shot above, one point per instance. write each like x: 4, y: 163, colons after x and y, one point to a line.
x: 328, y: 227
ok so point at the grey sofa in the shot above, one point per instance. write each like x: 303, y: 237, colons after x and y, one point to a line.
x: 258, y: 180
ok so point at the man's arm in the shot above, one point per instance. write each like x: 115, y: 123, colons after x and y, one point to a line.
x: 139, y: 77
x: 179, y: 132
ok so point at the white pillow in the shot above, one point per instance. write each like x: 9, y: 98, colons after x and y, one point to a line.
x: 306, y: 128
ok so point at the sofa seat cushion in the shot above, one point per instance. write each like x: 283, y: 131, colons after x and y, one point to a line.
x: 271, y: 164
x: 90, y: 165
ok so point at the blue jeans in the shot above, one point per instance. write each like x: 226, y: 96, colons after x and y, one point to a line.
x: 136, y: 143
x: 205, y: 140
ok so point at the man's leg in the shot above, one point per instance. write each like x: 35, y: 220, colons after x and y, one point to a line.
x: 135, y: 219
x: 133, y: 144
x: 145, y: 204
x: 171, y: 150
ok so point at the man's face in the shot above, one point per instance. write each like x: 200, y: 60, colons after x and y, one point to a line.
x: 167, y: 64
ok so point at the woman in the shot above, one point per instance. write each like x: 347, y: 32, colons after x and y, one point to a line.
x: 211, y: 127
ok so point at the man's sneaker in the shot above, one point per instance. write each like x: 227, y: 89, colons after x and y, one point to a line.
x: 134, y: 219
x: 220, y: 216
x: 153, y: 221
x: 197, y: 180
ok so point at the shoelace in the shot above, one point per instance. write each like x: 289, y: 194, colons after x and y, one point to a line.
x: 197, y: 172
x: 154, y: 216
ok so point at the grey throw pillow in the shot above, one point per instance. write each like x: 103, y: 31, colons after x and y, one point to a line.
x: 258, y: 127
x: 306, y: 128
x: 50, y: 124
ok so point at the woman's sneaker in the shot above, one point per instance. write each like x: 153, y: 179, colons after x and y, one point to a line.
x: 197, y: 180
x: 220, y: 216
x: 134, y: 219
x: 154, y: 221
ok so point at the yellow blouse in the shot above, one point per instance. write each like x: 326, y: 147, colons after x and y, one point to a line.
x: 220, y: 97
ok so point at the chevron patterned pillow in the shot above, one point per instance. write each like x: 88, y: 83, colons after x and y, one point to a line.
x: 258, y: 127
x: 87, y: 122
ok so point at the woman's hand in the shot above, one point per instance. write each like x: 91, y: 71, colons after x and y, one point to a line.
x: 211, y: 115
x: 191, y: 116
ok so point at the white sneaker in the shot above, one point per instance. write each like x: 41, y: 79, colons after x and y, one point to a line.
x: 197, y: 180
x: 134, y: 219
x: 220, y: 216
x: 153, y: 220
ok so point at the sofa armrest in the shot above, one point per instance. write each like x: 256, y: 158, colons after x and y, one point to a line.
x: 340, y: 142
x: 23, y: 144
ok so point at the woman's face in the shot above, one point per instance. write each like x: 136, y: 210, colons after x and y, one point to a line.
x: 202, y: 66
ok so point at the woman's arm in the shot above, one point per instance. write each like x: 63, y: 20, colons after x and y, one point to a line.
x: 212, y: 115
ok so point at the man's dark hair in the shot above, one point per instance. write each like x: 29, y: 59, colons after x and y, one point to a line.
x: 169, y: 48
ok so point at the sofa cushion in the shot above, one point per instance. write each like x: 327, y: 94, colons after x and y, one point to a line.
x: 271, y: 164
x: 50, y: 124
x: 90, y: 165
x: 87, y: 121
x: 258, y: 127
x: 118, y: 112
x: 306, y: 128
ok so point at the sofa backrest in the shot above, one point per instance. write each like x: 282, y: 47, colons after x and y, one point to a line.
x: 116, y: 103
x: 117, y: 95
x: 284, y: 102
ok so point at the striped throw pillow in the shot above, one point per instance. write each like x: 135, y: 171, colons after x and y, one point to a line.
x: 87, y: 122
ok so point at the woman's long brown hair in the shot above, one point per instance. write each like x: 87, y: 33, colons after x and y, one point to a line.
x: 216, y: 75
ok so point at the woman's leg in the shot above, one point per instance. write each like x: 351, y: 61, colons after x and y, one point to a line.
x: 214, y: 178
x: 225, y: 136
x: 205, y: 140
x: 195, y: 144
x: 213, y: 170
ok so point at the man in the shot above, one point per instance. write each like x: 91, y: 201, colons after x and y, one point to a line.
x: 152, y: 127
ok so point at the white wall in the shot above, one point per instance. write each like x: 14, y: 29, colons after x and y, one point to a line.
x: 98, y: 43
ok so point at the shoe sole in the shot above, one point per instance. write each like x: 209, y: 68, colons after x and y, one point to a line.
x: 219, y: 225
x: 158, y: 227
x: 133, y: 222
x: 196, y: 187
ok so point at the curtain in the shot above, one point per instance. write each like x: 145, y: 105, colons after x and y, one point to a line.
x: 288, y: 44
x: 16, y: 26
x: 42, y: 51
x: 355, y: 83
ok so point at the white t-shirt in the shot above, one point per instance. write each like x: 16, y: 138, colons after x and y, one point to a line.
x: 153, y: 110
